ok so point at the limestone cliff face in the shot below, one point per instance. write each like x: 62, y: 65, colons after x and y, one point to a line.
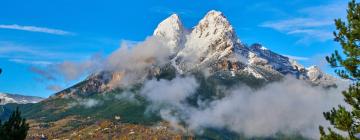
x: 211, y: 45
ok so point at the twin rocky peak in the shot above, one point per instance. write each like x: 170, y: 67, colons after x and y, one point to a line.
x: 213, y: 42
x: 213, y: 45
x: 212, y: 27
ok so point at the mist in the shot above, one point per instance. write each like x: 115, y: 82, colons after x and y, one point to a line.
x: 87, y: 103
x: 136, y: 61
x: 133, y: 60
x: 289, y: 106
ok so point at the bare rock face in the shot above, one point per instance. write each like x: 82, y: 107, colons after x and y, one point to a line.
x: 172, y: 30
x: 212, y: 45
x: 318, y: 77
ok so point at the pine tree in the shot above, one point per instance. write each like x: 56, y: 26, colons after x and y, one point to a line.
x: 15, y: 128
x: 346, y: 65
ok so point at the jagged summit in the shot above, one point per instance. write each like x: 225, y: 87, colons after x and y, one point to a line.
x: 212, y: 39
x: 173, y: 31
x: 213, y: 46
x: 276, y: 61
x: 172, y: 23
x: 214, y: 26
x: 258, y: 46
x: 214, y: 23
x: 216, y: 17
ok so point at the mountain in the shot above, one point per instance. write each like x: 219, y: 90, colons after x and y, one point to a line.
x: 214, y: 46
x: 18, y: 99
x: 172, y: 30
x: 211, y: 52
x: 213, y: 43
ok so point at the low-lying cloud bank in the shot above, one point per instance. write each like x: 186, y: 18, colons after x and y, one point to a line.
x: 290, y: 107
x: 134, y: 60
x: 87, y: 103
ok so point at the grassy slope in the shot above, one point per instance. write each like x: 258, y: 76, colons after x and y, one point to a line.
x: 134, y: 112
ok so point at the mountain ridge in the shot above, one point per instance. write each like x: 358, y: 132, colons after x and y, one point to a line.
x: 207, y: 68
x: 211, y: 45
x: 228, y: 45
x: 6, y: 98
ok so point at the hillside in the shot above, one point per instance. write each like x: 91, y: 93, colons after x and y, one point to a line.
x: 188, y: 74
x: 19, y: 99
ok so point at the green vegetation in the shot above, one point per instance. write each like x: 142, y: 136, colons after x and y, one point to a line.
x: 223, y: 134
x: 348, y: 35
x: 15, y: 128
x: 108, y: 107
x: 134, y: 110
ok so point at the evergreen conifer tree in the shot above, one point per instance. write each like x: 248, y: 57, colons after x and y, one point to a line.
x: 15, y: 128
x: 347, y: 67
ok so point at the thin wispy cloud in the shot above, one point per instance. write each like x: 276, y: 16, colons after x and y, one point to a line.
x: 296, y: 23
x: 54, y: 88
x: 309, y: 35
x: 333, y: 10
x: 30, y: 62
x: 39, y: 55
x: 297, y: 57
x: 36, y: 29
x: 45, y: 75
x: 8, y: 47
x: 309, y: 30
x: 311, y: 24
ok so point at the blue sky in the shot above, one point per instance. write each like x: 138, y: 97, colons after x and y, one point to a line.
x: 42, y: 32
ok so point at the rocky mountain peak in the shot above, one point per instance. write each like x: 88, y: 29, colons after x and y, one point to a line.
x: 258, y: 46
x: 213, y: 25
x: 278, y: 62
x: 318, y: 77
x: 211, y: 46
x: 168, y: 25
x: 212, y: 39
x: 314, y: 73
x: 172, y: 30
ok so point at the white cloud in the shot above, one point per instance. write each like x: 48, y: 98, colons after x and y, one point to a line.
x: 87, y: 103
x: 7, y: 47
x: 54, y: 88
x: 335, y: 9
x: 25, y: 54
x: 311, y: 24
x: 31, y: 62
x: 296, y: 23
x: 36, y: 29
x: 37, y: 55
x: 167, y: 96
x: 308, y: 29
x: 132, y: 58
x: 297, y: 57
x: 289, y: 106
x: 310, y: 34
x: 74, y: 70
x: 128, y: 96
x: 165, y: 91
